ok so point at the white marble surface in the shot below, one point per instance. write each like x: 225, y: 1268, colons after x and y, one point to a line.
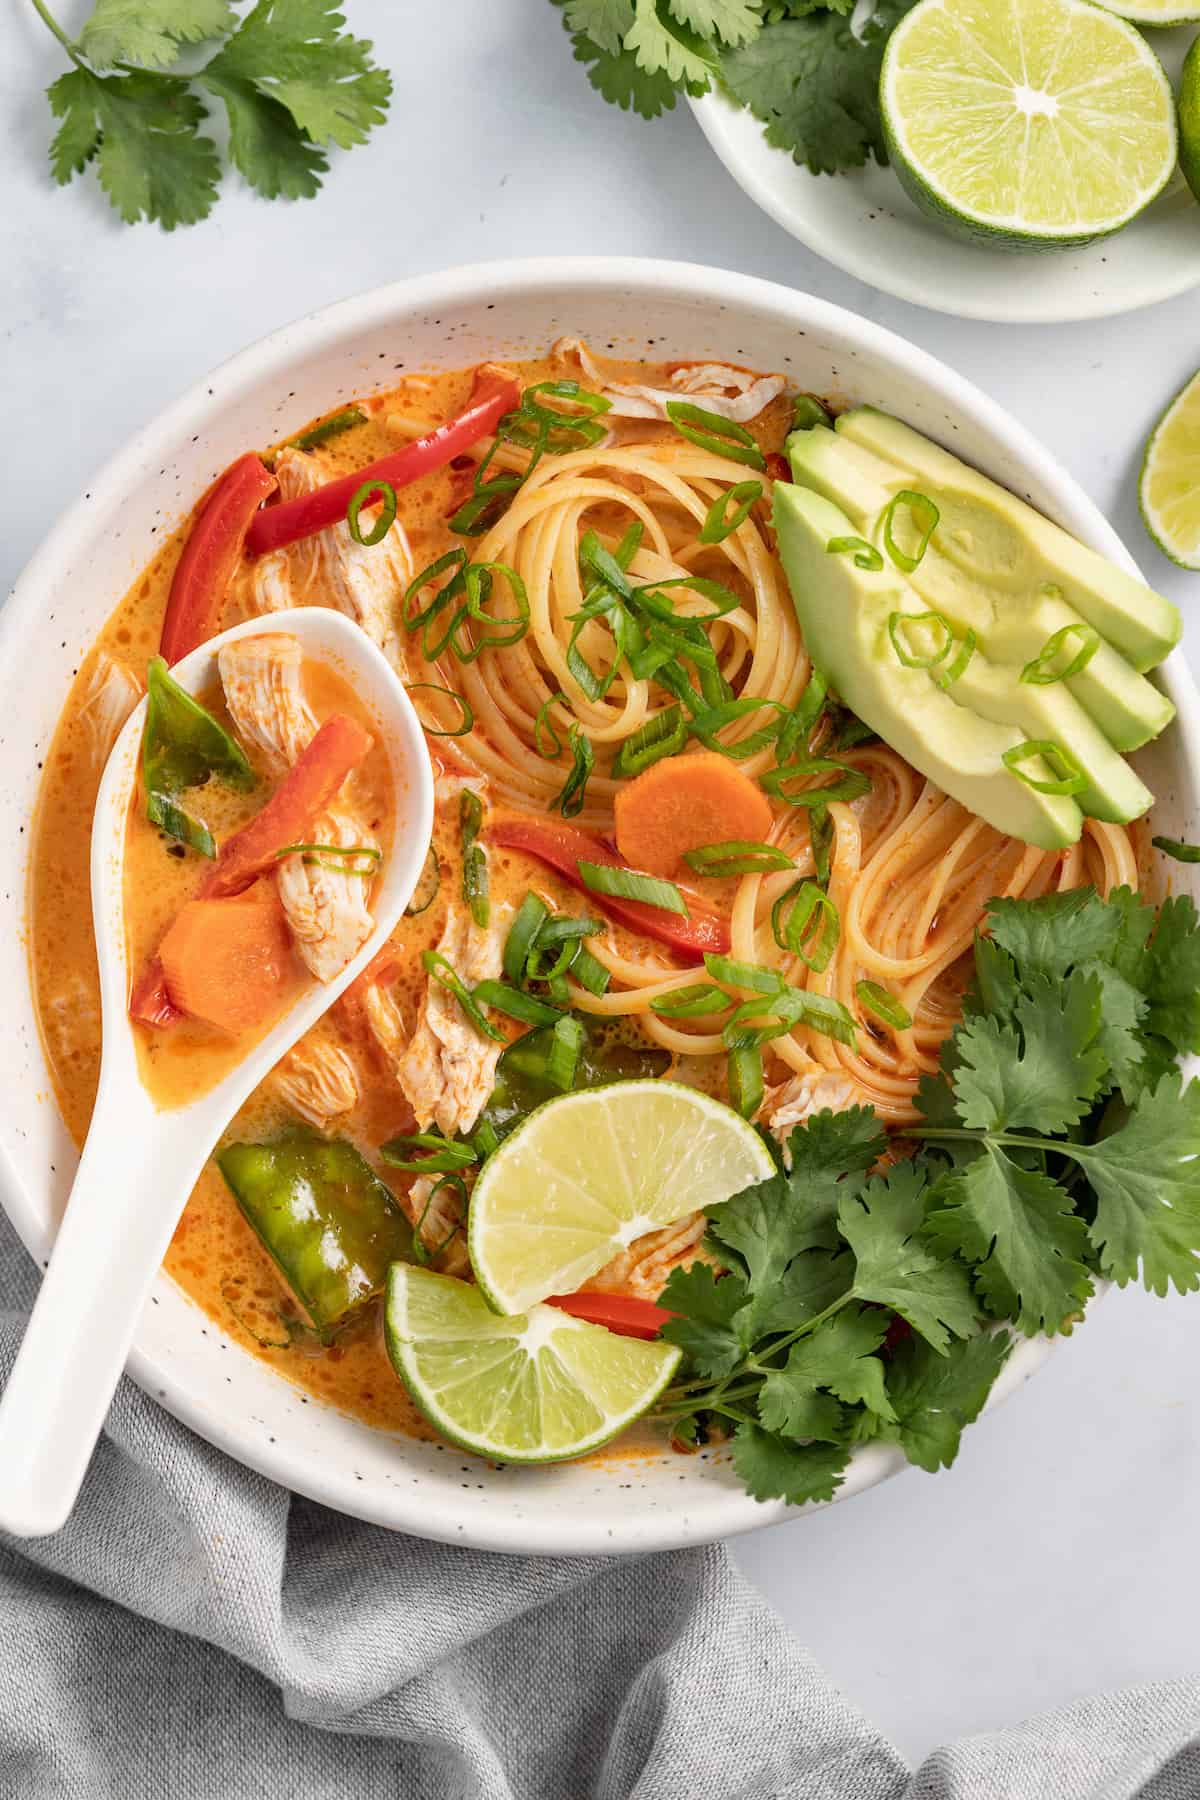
x: 1057, y: 1558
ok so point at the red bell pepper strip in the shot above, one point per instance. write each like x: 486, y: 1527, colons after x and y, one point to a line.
x: 214, y: 546
x: 150, y: 1003
x: 620, y: 1312
x: 300, y: 518
x: 290, y: 813
x: 564, y: 847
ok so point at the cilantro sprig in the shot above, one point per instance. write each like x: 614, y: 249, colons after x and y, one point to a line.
x: 1060, y: 1145
x: 799, y: 65
x: 290, y: 79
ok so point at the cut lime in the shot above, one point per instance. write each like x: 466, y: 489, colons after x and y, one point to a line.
x: 534, y: 1388
x: 1189, y: 118
x: 1032, y: 124
x: 584, y: 1176
x: 1154, y: 12
x: 1169, y: 490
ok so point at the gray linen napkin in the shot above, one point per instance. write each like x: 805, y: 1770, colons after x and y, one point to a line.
x: 198, y: 1631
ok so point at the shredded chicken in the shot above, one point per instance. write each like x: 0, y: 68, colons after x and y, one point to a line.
x: 324, y: 900
x: 318, y: 1080
x: 732, y: 393
x: 385, y: 1021
x: 438, y: 1216
x: 643, y: 1267
x: 112, y: 692
x: 447, y: 1069
x: 264, y: 691
x: 801, y: 1097
x: 364, y: 581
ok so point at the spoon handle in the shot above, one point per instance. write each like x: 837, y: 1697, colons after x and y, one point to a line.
x: 131, y: 1185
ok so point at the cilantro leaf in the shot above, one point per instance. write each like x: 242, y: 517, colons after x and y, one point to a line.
x: 840, y: 1357
x: 1051, y: 935
x: 815, y: 86
x: 736, y: 21
x: 1172, y: 975
x: 1122, y: 1010
x: 895, y: 1269
x: 661, y: 43
x: 296, y: 52
x: 1044, y: 1077
x: 995, y: 988
x: 73, y: 100
x: 807, y: 1287
x: 708, y: 1328
x: 613, y: 71
x: 933, y: 1397
x: 265, y: 143
x: 150, y: 32
x: 605, y: 22
x: 772, y: 1469
x: 143, y: 131
x: 1147, y: 1182
x: 1017, y: 1226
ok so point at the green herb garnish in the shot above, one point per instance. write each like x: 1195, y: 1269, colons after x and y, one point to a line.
x: 713, y: 432
x: 628, y: 884
x: 332, y: 427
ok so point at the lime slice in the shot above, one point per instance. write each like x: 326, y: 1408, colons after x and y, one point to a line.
x: 1189, y: 118
x: 584, y: 1176
x: 534, y: 1388
x: 1169, y: 490
x: 1154, y: 12
x: 1033, y: 124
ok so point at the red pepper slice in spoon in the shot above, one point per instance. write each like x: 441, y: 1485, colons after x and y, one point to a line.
x: 211, y: 554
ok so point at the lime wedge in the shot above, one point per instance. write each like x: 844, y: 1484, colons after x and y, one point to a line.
x: 1154, y: 12
x: 1169, y: 490
x: 1189, y: 118
x: 537, y: 1387
x: 1032, y: 124
x: 584, y: 1176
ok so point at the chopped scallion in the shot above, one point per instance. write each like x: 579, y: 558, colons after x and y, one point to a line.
x: 866, y: 556
x: 664, y: 734
x: 798, y: 728
x: 460, y: 700
x: 807, y: 411
x: 850, y: 785
x: 1068, y: 778
x: 474, y: 864
x: 332, y: 427
x: 571, y: 797
x: 442, y: 1156
x: 738, y: 856
x: 515, y: 1003
x: 692, y: 1002
x: 746, y: 1085
x: 428, y: 883
x: 528, y: 920
x: 718, y: 524
x: 439, y: 968
x: 370, y: 493
x: 172, y: 818
x: 477, y: 586
x: 629, y: 884
x: 899, y: 624
x: 876, y: 1000
x: 544, y: 729
x: 590, y: 972
x: 820, y: 837
x: 453, y: 559
x: 1041, y: 672
x: 333, y: 856
x: 966, y: 650
x: 566, y: 1042
x: 714, y: 433
x: 1184, y: 853
x: 806, y: 923
x: 925, y: 517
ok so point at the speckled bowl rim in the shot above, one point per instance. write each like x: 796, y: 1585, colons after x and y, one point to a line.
x: 619, y: 1526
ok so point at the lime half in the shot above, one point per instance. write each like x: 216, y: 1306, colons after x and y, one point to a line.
x: 1169, y: 490
x: 584, y: 1176
x: 535, y: 1388
x: 1032, y: 124
x: 1189, y: 118
x: 1154, y: 12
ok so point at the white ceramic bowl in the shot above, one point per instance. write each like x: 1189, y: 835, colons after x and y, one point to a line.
x: 864, y: 222
x: 91, y: 555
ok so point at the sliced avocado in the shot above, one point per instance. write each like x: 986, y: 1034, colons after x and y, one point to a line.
x: 992, y: 533
x: 844, y: 613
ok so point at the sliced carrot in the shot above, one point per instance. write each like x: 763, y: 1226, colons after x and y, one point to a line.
x: 229, y: 962
x: 290, y: 813
x: 683, y: 802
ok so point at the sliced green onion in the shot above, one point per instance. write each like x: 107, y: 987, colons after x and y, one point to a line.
x: 543, y: 728
x: 966, y: 650
x: 746, y: 1086
x: 604, y: 565
x: 717, y: 526
x: 709, y: 431
x: 925, y: 517
x: 754, y: 976
x: 562, y: 930
x: 528, y: 920
x: 706, y: 725
x: 425, y: 1253
x: 164, y: 812
x: 619, y: 623
x: 1069, y: 777
x: 331, y: 856
x: 474, y: 865
x: 807, y: 411
x: 453, y: 559
x: 690, y: 1002
x: 795, y: 1006
x: 662, y: 735
x: 851, y: 784
x: 628, y: 884
x: 739, y: 1033
x: 820, y: 838
x: 428, y: 883
x: 724, y: 600
x: 443, y: 1156
x: 368, y: 494
x: 441, y: 969
x: 1184, y: 853
x: 573, y: 793
x: 477, y: 585
x: 468, y: 713
x: 630, y: 543
x: 875, y: 999
x: 800, y: 725
x: 515, y: 1003
x: 828, y: 1016
x: 1041, y: 672
x: 332, y: 427
x: 851, y: 731
x: 866, y: 556
x: 910, y: 658
x: 805, y: 922
x: 486, y: 505
x: 739, y: 856
x: 485, y: 1139
x: 566, y: 1042
x: 590, y: 972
